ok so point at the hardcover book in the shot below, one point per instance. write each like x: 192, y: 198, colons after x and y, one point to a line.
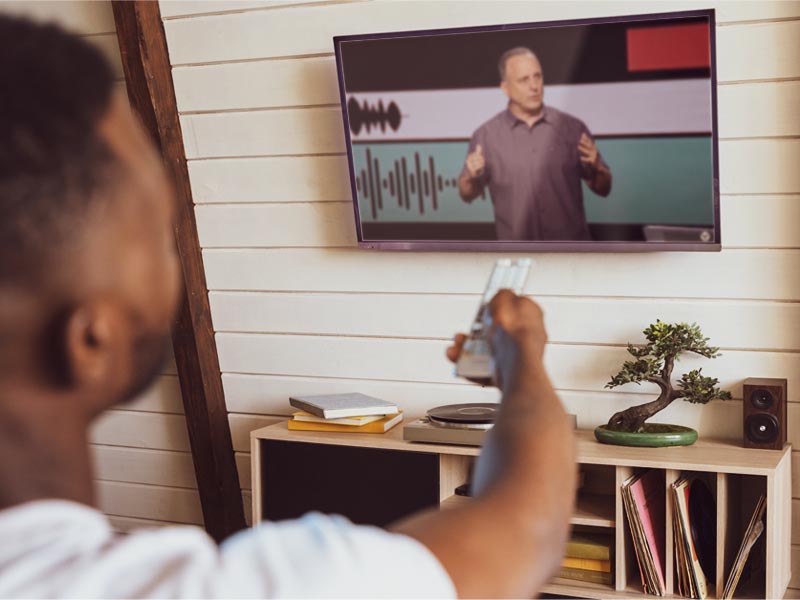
x: 584, y: 575
x: 587, y: 564
x: 302, y: 415
x: 586, y: 545
x: 337, y: 406
x: 381, y: 426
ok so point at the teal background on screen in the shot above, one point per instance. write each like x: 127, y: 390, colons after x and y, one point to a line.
x: 658, y: 180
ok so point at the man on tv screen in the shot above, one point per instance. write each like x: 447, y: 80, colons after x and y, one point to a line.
x: 533, y: 158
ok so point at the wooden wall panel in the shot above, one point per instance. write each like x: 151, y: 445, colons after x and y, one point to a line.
x: 747, y: 222
x: 758, y: 51
x: 795, y: 473
x: 727, y: 11
x: 130, y: 524
x: 775, y: 115
x: 242, y: 425
x: 271, y: 179
x: 260, y: 84
x: 243, y: 466
x: 287, y: 131
x: 285, y: 33
x: 759, y: 166
x: 760, y: 221
x: 141, y: 430
x: 319, y: 224
x: 763, y: 325
x: 796, y: 522
x: 176, y: 505
x: 171, y: 9
x: 151, y: 467
x: 423, y: 361
x: 164, y: 396
x: 743, y: 274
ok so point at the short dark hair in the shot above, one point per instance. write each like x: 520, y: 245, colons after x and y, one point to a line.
x: 54, y: 89
x: 518, y: 51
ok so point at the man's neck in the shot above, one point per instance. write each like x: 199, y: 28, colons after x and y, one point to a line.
x: 529, y: 118
x: 44, y: 450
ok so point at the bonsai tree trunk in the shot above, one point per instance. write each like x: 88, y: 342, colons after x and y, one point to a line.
x: 632, y: 419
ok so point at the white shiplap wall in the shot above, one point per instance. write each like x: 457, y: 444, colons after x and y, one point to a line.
x: 144, y: 471
x: 298, y: 309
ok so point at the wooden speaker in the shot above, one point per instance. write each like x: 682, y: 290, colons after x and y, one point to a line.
x: 764, y: 413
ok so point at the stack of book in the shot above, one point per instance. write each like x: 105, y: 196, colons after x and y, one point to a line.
x: 588, y: 558
x: 346, y: 413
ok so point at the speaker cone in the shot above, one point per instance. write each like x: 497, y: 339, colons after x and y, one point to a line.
x: 762, y: 428
x: 761, y: 399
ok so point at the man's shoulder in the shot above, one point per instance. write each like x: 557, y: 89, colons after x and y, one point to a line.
x: 491, y: 124
x: 564, y: 119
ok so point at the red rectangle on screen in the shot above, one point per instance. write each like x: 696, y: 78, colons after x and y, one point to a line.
x: 668, y: 47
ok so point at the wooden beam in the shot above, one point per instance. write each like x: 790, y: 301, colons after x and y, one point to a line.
x: 148, y: 75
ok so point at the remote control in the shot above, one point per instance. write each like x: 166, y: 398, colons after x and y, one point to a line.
x: 476, y: 361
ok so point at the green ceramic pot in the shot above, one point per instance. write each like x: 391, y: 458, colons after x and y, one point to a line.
x: 655, y: 435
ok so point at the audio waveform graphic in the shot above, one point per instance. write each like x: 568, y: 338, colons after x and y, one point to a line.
x: 409, y: 190
x: 366, y: 116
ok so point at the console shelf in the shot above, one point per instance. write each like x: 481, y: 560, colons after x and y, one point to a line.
x: 352, y: 474
x: 594, y: 510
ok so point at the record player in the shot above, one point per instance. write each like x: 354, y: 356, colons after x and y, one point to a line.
x: 460, y: 424
x: 464, y: 424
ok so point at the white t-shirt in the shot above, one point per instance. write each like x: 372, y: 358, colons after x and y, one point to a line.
x: 54, y: 548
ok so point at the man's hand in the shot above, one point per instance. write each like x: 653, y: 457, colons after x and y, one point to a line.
x: 599, y: 179
x: 517, y: 334
x: 587, y: 151
x: 476, y: 163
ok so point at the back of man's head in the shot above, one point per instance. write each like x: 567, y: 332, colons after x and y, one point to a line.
x: 54, y: 89
x: 87, y: 272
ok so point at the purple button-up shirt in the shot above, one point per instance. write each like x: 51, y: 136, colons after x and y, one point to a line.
x: 534, y: 175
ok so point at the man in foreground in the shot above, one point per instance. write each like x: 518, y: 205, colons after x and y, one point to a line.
x: 88, y: 289
x: 533, y: 158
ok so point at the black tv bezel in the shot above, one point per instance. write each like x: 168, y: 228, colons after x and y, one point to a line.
x: 538, y: 246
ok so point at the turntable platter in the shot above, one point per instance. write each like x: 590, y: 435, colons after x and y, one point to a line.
x: 476, y: 413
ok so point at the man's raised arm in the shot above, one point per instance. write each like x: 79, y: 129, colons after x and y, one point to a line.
x: 509, y: 541
x: 470, y: 184
x: 599, y: 179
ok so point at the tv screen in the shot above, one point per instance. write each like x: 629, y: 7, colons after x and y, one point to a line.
x: 595, y: 134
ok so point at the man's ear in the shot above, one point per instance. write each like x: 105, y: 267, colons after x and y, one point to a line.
x: 504, y: 87
x: 95, y: 346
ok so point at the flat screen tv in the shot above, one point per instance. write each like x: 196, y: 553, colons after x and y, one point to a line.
x: 580, y: 135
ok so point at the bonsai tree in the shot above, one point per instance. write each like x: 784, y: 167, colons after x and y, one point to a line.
x: 654, y: 363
